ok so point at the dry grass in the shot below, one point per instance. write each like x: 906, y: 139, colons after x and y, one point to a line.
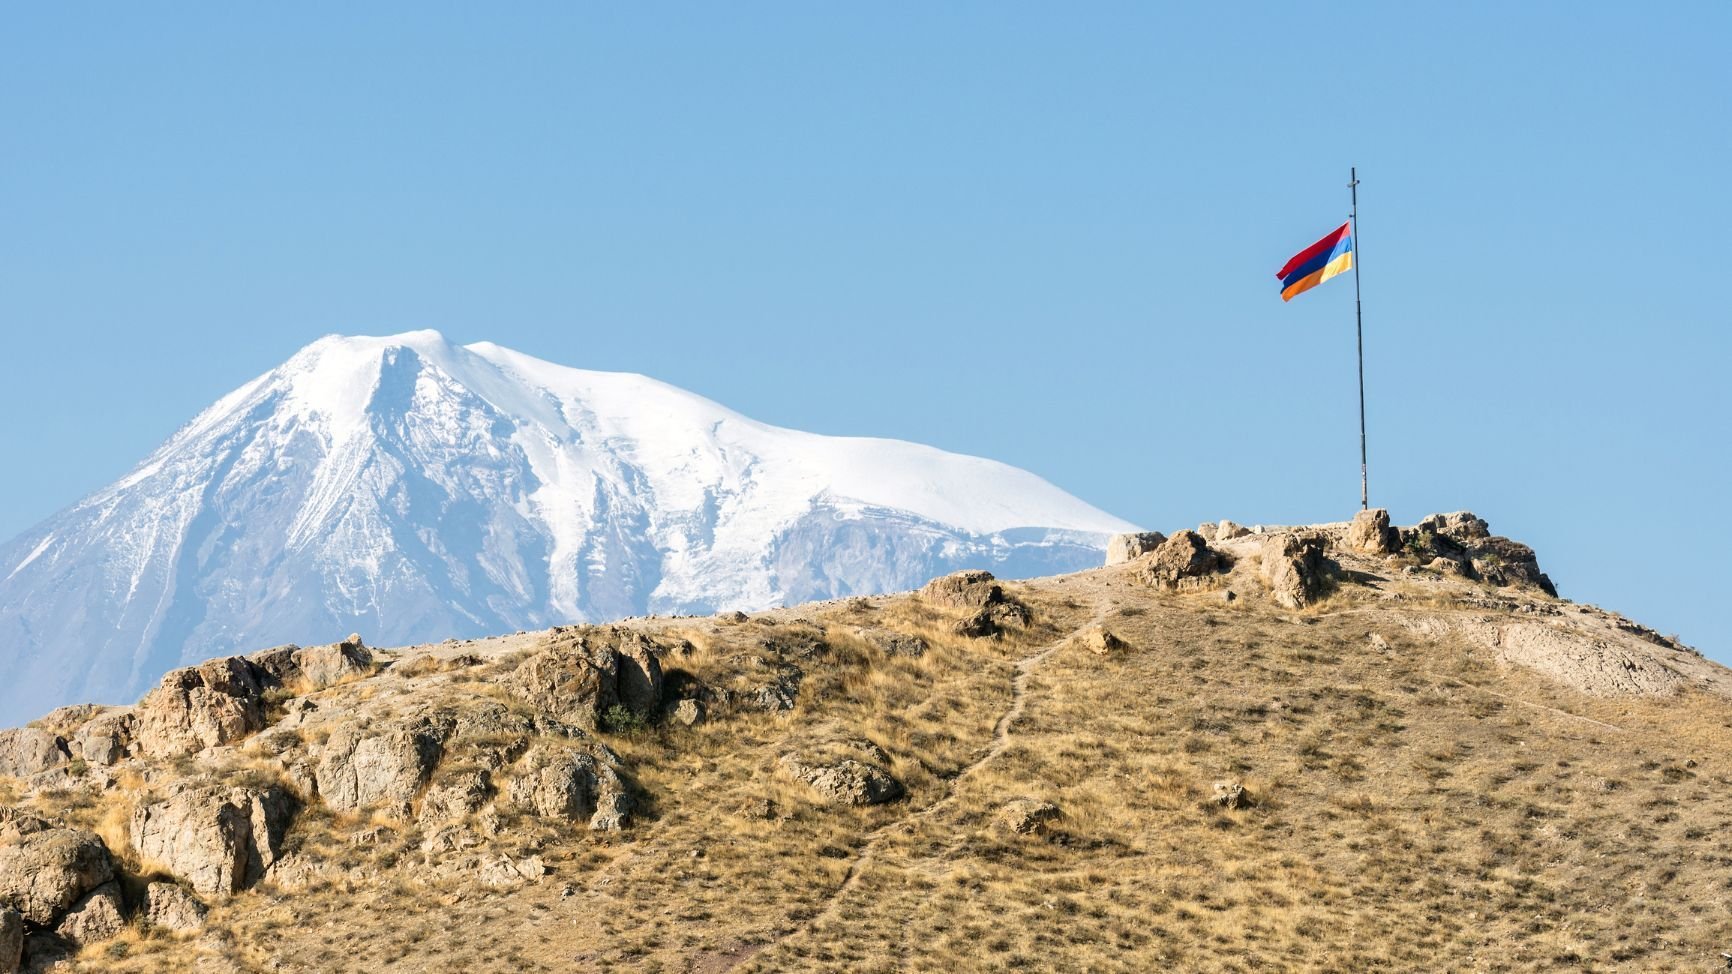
x: 1413, y: 807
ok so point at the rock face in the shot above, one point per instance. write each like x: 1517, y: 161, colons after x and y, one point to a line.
x: 218, y: 702
x: 27, y: 750
x: 45, y: 872
x: 1295, y: 569
x: 218, y: 840
x: 11, y: 939
x: 1122, y: 548
x: 170, y: 907
x: 106, y: 739
x: 1465, y: 539
x: 1184, y: 555
x: 98, y: 916
x: 384, y: 768
x: 1370, y: 533
x: 846, y: 782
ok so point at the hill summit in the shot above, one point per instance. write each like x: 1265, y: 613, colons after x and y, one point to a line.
x: 1336, y: 747
x: 417, y: 490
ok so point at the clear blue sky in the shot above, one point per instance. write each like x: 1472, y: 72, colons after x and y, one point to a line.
x: 1041, y: 233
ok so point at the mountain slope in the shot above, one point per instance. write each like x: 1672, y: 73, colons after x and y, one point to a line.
x: 412, y: 490
x: 1127, y: 771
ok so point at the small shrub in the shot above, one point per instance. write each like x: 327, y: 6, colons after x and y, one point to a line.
x: 620, y: 719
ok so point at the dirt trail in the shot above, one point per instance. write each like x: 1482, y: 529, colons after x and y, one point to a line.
x: 1023, y: 670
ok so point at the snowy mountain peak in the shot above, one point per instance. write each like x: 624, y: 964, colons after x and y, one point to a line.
x: 414, y: 489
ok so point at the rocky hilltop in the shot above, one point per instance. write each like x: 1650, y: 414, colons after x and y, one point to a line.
x: 1348, y: 747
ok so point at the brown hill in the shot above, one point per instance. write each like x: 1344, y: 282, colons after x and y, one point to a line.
x: 1346, y: 747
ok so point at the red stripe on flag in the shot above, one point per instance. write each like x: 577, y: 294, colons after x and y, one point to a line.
x: 1322, y: 246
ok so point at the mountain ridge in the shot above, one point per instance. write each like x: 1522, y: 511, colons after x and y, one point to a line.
x: 417, y: 489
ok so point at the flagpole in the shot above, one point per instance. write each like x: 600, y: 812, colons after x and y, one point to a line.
x: 1359, y: 332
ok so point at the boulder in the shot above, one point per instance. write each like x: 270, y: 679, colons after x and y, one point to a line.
x: 638, y: 685
x: 1294, y: 568
x: 1184, y: 555
x: 1371, y: 534
x: 570, y: 680
x: 687, y: 713
x: 846, y: 782
x: 1501, y: 561
x: 385, y: 768
x: 25, y: 751
x: 11, y: 939
x: 1460, y: 525
x: 1230, y: 794
x: 1206, y: 531
x: 973, y: 589
x: 168, y: 906
x: 314, y: 667
x: 1100, y: 641
x: 572, y: 784
x: 1122, y: 548
x: 45, y: 872
x: 15, y: 824
x: 202, y: 706
x: 1228, y: 530
x: 1026, y: 815
x: 218, y: 840
x: 98, y: 916
x: 106, y: 740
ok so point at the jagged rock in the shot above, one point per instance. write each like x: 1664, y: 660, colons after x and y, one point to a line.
x: 1025, y: 815
x: 25, y: 751
x: 1228, y: 530
x: 1100, y: 640
x: 1446, y: 566
x: 64, y: 720
x: 11, y: 939
x: 1231, y: 794
x: 569, y: 681
x: 1460, y: 525
x: 169, y: 906
x: 1501, y: 561
x: 363, y: 768
x: 503, y: 872
x: 1370, y: 533
x: 1206, y: 531
x: 218, y: 840
x: 846, y: 782
x: 776, y: 695
x: 1184, y: 555
x: 1295, y: 569
x: 47, y: 871
x: 16, y: 824
x: 687, y: 713
x: 106, y: 739
x: 571, y: 784
x: 218, y: 702
x: 96, y: 917
x: 1122, y: 548
x: 314, y: 667
x: 456, y: 795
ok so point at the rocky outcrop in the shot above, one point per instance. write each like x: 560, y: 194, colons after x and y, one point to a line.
x: 1185, y: 555
x: 215, y: 703
x: 456, y: 795
x: 43, y: 873
x: 96, y: 917
x: 218, y: 840
x: 1230, y: 795
x: 976, y: 592
x: 1122, y: 548
x: 893, y: 643
x: 572, y: 784
x: 362, y: 767
x: 579, y: 678
x: 168, y: 906
x: 1294, y: 568
x: 25, y: 751
x: 1370, y: 533
x: 106, y: 739
x: 314, y: 667
x: 1466, y: 540
x: 846, y: 782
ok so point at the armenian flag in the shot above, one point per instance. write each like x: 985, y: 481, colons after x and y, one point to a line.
x: 1318, y: 263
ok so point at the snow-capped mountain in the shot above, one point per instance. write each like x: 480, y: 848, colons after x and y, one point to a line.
x: 414, y: 490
